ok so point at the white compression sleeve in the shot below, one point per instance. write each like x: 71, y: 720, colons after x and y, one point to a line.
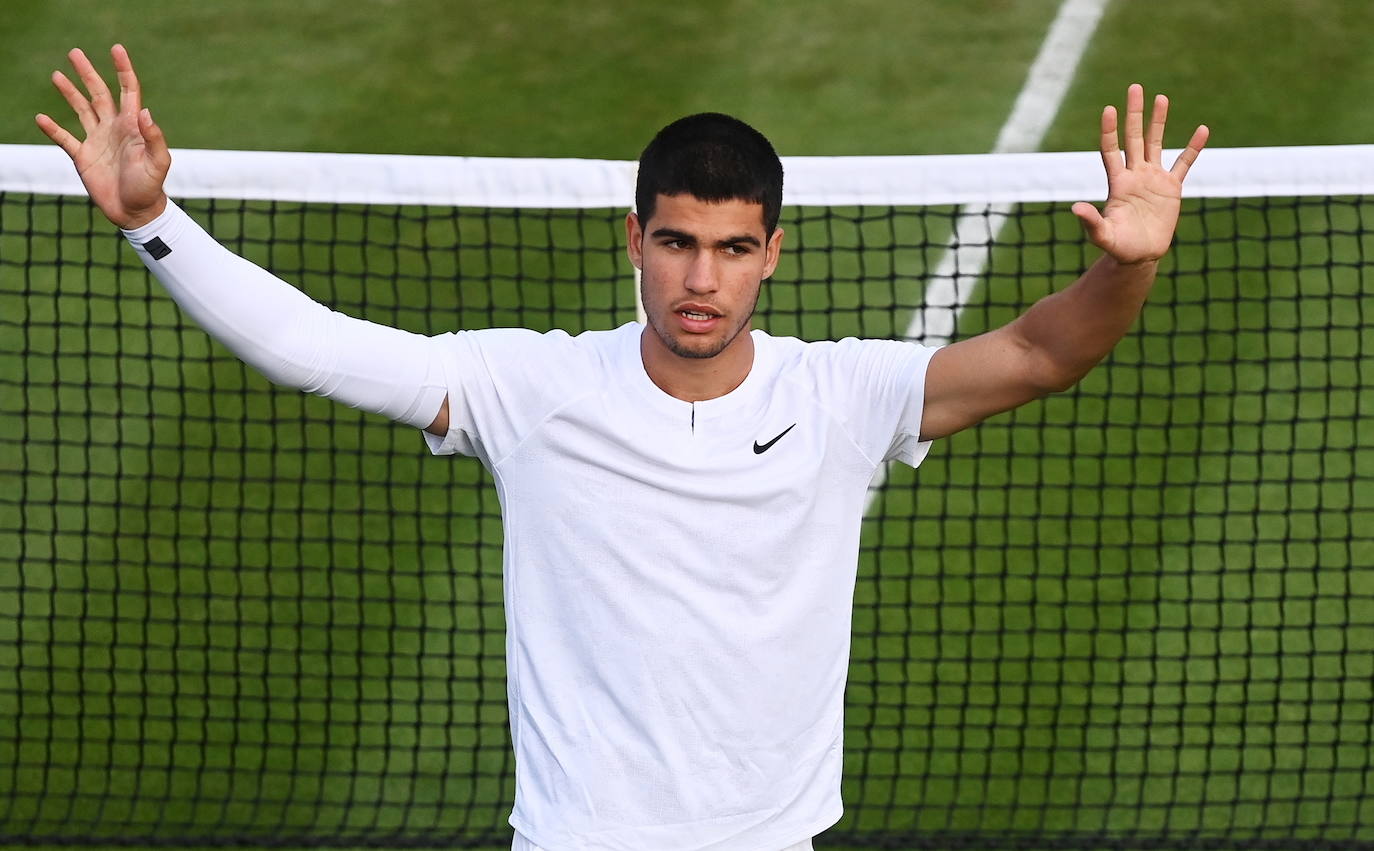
x: 293, y: 340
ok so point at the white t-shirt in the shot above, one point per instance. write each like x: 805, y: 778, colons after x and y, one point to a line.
x: 678, y: 577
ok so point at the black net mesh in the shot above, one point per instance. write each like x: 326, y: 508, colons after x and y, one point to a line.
x: 1139, y: 614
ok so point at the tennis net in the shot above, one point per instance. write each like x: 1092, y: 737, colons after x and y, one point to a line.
x: 1139, y: 614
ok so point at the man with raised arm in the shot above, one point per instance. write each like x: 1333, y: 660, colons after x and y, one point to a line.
x: 681, y: 499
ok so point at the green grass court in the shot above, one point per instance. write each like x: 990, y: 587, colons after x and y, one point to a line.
x: 1141, y: 606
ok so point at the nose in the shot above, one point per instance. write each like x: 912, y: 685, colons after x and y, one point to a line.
x: 702, y: 274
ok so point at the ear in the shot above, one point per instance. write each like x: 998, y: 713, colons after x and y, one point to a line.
x: 772, y: 253
x: 634, y: 240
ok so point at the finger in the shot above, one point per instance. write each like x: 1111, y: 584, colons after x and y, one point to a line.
x: 54, y: 131
x: 1091, y: 219
x: 130, y: 98
x: 102, y: 102
x: 1154, y: 143
x: 1135, y: 135
x: 1189, y: 155
x: 1111, y: 151
x: 76, y: 100
x: 155, y: 141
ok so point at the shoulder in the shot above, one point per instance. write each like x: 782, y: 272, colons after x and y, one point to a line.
x: 874, y: 390
x: 504, y: 381
x: 556, y: 350
x: 845, y: 359
x: 786, y: 353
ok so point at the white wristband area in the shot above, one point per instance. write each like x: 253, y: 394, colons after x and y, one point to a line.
x: 280, y: 331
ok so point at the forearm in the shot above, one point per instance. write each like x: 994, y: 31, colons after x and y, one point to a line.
x: 291, y: 339
x: 1071, y: 331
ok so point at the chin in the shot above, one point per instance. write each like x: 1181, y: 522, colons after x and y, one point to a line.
x: 697, y: 354
x: 695, y: 348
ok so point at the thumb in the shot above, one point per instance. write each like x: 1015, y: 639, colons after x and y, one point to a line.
x: 1092, y: 221
x: 156, y: 142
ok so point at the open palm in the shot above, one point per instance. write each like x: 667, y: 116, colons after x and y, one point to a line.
x: 1137, y: 222
x: 123, y: 161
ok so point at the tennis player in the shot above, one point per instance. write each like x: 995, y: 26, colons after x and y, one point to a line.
x: 682, y: 499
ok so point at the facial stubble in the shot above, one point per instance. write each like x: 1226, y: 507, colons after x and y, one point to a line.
x: 675, y: 346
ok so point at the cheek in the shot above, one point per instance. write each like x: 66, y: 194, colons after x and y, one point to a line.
x: 653, y: 284
x: 746, y: 280
x: 661, y: 270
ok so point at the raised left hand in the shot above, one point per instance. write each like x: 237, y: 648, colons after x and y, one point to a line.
x: 124, y: 159
x: 1137, y: 223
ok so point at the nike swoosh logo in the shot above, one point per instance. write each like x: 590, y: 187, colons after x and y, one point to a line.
x: 759, y: 449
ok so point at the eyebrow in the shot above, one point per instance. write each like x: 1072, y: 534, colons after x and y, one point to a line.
x: 671, y: 233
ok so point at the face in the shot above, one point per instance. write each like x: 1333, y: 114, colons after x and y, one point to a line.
x: 701, y: 266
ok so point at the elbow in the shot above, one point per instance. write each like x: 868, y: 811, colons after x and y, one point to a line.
x: 1057, y: 383
x: 1042, y: 370
x: 1049, y: 375
x: 288, y: 353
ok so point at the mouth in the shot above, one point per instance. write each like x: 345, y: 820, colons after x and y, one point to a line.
x: 697, y: 318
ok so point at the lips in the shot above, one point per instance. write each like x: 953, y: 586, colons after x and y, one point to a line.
x: 697, y: 318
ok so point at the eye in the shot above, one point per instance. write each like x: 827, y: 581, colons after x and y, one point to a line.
x: 735, y: 249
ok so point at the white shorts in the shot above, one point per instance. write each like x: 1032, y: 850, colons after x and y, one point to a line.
x: 523, y: 844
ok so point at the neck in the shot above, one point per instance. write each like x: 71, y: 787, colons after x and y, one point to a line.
x: 696, y: 379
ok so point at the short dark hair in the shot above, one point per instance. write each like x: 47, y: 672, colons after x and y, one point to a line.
x: 713, y: 157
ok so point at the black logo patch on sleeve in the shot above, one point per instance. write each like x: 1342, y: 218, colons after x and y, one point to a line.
x: 157, y: 248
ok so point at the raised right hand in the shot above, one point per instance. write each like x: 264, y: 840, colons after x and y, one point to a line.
x: 124, y: 160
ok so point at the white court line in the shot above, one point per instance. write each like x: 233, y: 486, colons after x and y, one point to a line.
x: 967, y: 250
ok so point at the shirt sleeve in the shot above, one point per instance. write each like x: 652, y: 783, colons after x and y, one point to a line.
x: 877, y: 390
x: 284, y: 334
x: 502, y: 383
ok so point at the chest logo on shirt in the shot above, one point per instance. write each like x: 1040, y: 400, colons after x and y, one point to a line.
x: 760, y: 448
